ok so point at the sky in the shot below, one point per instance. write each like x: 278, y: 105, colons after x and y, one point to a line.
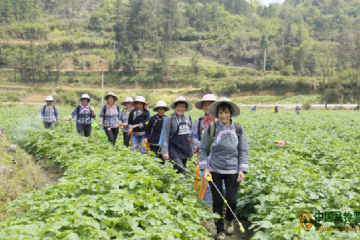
x: 271, y: 1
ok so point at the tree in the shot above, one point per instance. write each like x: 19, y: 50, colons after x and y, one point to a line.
x: 194, y: 65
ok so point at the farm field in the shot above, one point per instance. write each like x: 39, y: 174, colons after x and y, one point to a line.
x: 114, y: 193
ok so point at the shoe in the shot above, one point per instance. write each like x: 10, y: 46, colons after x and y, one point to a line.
x: 229, y: 228
x: 220, y: 236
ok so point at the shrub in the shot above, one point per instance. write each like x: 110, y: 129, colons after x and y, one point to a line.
x: 306, y: 105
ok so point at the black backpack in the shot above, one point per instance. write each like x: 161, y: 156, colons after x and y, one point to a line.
x: 212, y: 130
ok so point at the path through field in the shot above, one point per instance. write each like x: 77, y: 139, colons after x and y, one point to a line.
x: 210, y: 226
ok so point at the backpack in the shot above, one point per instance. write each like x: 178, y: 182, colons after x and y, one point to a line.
x: 43, y: 111
x: 212, y: 130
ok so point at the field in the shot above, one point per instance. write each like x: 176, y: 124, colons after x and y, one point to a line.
x: 114, y: 193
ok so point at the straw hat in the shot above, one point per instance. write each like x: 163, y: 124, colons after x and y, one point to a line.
x: 49, y: 99
x: 112, y: 95
x: 205, y: 98
x: 182, y: 99
x: 159, y: 104
x: 213, y: 107
x: 142, y: 100
x: 127, y: 99
x: 85, y: 96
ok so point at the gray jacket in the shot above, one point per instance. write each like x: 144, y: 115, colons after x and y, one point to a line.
x: 169, y: 130
x: 228, y: 153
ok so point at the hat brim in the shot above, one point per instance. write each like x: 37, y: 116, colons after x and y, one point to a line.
x: 145, y: 103
x: 49, y: 100
x: 199, y: 106
x: 156, y: 108
x: 123, y: 103
x: 85, y: 98
x: 213, y: 107
x: 189, y: 105
x: 107, y: 96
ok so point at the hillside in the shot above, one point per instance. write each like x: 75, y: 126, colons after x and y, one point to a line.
x: 306, y: 45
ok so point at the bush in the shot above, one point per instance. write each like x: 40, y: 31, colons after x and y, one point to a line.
x: 287, y: 71
x: 306, y: 105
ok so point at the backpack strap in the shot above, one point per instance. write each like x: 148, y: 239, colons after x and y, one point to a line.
x: 199, y: 126
x: 54, y: 111
x: 211, y: 131
x: 177, y: 129
x: 238, y: 129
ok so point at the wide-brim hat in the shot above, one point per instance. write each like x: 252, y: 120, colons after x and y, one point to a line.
x: 141, y: 99
x: 49, y: 99
x: 234, y: 107
x: 205, y: 98
x: 85, y: 96
x: 127, y: 99
x: 162, y: 104
x: 182, y: 99
x: 112, y: 95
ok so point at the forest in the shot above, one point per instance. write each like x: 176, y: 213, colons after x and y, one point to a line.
x: 315, y: 43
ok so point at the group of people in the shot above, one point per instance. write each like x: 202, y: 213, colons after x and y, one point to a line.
x: 220, y: 143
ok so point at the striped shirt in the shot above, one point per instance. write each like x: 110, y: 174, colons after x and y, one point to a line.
x: 49, y: 113
x: 111, y: 118
x: 83, y: 114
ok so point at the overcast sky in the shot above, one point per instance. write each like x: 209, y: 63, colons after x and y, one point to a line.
x: 271, y: 1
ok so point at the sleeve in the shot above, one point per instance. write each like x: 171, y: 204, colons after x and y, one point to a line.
x: 40, y: 113
x: 102, y: 111
x: 130, y: 121
x: 194, y: 138
x: 121, y: 113
x: 166, y: 136
x: 146, y: 119
x: 243, y: 150
x: 74, y: 113
x: 93, y: 115
x: 57, y: 114
x: 148, y: 127
x: 203, y: 157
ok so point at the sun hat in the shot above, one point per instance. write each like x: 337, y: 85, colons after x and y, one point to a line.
x: 85, y: 96
x: 49, y: 99
x: 159, y: 104
x: 127, y: 99
x: 182, y: 99
x: 112, y: 95
x: 205, y: 98
x: 213, y: 107
x: 142, y: 100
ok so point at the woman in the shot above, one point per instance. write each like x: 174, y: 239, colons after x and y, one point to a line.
x: 177, y: 129
x: 124, y: 117
x: 83, y: 112
x: 49, y: 114
x: 154, y: 128
x: 224, y: 156
x: 137, y: 122
x: 110, y: 117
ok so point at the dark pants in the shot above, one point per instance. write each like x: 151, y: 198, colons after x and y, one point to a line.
x: 156, y: 151
x: 50, y: 125
x: 232, y: 188
x: 84, y: 130
x: 126, y: 138
x: 112, y: 134
x: 182, y: 163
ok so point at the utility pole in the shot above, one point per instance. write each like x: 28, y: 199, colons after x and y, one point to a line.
x: 102, y: 85
x: 264, y: 59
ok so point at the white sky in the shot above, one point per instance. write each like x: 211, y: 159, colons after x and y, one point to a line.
x: 266, y: 2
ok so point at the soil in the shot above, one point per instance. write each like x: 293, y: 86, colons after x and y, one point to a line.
x: 210, y: 226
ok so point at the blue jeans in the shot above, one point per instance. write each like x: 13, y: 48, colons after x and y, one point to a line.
x: 136, y: 142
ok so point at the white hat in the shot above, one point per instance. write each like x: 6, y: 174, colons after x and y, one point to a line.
x: 85, y: 96
x: 205, y: 98
x: 112, y: 95
x: 127, y: 99
x: 162, y: 104
x: 234, y: 107
x: 142, y: 100
x: 49, y: 99
x: 181, y: 99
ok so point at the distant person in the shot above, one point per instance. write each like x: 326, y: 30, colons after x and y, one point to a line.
x: 110, y: 117
x: 253, y: 109
x: 138, y: 119
x: 154, y: 129
x: 83, y: 112
x: 176, y: 134
x: 124, y: 118
x: 275, y: 109
x: 225, y: 157
x: 297, y: 110
x: 49, y: 114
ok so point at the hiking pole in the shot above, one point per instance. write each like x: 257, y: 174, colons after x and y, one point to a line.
x: 209, y: 179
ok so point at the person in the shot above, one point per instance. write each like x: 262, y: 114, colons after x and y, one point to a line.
x: 297, y: 110
x: 49, y: 114
x: 196, y: 132
x: 176, y: 134
x: 153, y: 131
x: 276, y: 109
x: 110, y: 117
x: 124, y: 118
x: 137, y: 121
x: 253, y: 109
x: 224, y: 156
x: 83, y: 112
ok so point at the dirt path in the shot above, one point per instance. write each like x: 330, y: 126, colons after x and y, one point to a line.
x: 210, y: 226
